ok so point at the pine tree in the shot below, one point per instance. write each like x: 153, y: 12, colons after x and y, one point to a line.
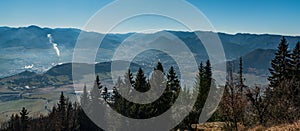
x: 24, y: 119
x: 173, y: 87
x: 97, y: 105
x: 141, y: 84
x: 74, y: 121
x: 281, y: 84
x: 193, y: 117
x: 95, y: 92
x: 158, y: 82
x: 69, y: 115
x: 61, y: 109
x: 98, y: 82
x: 208, y: 73
x: 173, y: 83
x: 200, y: 75
x: 241, y: 78
x: 54, y: 119
x: 117, y: 98
x: 84, y: 99
x: 157, y: 79
x: 62, y: 102
x: 104, y: 93
x: 16, y: 123
x: 128, y: 83
x: 201, y: 88
x: 240, y: 85
x: 159, y: 67
x: 295, y: 71
x: 199, y: 84
x: 296, y: 62
x: 128, y: 78
x: 11, y: 122
x: 280, y: 65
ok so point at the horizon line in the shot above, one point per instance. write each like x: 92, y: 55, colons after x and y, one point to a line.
x: 156, y: 31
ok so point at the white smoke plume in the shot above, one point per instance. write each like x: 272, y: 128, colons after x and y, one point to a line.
x: 54, y: 45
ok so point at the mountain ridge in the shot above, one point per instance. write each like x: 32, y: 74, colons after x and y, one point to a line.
x: 19, y: 44
x: 62, y: 74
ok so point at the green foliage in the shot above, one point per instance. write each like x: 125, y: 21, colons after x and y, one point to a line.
x: 201, y: 89
x: 284, y: 83
x: 296, y: 61
x: 282, y: 99
x: 24, y: 119
x: 280, y: 65
x: 141, y: 84
x: 159, y: 67
x: 172, y: 80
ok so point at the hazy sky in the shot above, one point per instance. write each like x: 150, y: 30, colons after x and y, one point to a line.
x: 229, y: 16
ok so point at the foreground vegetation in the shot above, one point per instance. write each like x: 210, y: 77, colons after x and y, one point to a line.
x: 241, y: 107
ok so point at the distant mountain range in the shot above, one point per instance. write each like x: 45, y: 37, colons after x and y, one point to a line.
x: 28, y: 49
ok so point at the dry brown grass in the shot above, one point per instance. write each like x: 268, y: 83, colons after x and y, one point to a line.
x: 283, y: 127
x: 209, y: 126
x: 220, y: 126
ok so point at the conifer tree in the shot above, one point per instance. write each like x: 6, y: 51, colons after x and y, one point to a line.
x: 61, y: 109
x: 281, y: 84
x: 141, y: 84
x: 241, y: 84
x: 159, y: 67
x: 295, y: 71
x: 117, y: 98
x: 201, y: 88
x: 157, y: 79
x: 95, y: 92
x: 280, y: 65
x: 173, y: 83
x: 16, y: 123
x: 173, y: 88
x: 200, y: 76
x: 104, y: 93
x: 54, y: 119
x: 98, y: 83
x: 97, y: 105
x: 62, y: 102
x: 11, y: 122
x: 128, y: 78
x: 158, y: 82
x: 208, y: 73
x: 84, y: 99
x: 24, y: 119
x: 296, y: 62
x: 128, y: 83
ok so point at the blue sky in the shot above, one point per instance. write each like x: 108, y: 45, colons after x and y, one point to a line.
x: 229, y: 16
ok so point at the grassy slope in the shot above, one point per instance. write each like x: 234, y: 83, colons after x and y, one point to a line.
x: 39, y: 102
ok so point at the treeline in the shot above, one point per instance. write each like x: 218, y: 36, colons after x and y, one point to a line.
x: 72, y: 116
x: 241, y: 106
x: 65, y: 116
x: 169, y: 81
